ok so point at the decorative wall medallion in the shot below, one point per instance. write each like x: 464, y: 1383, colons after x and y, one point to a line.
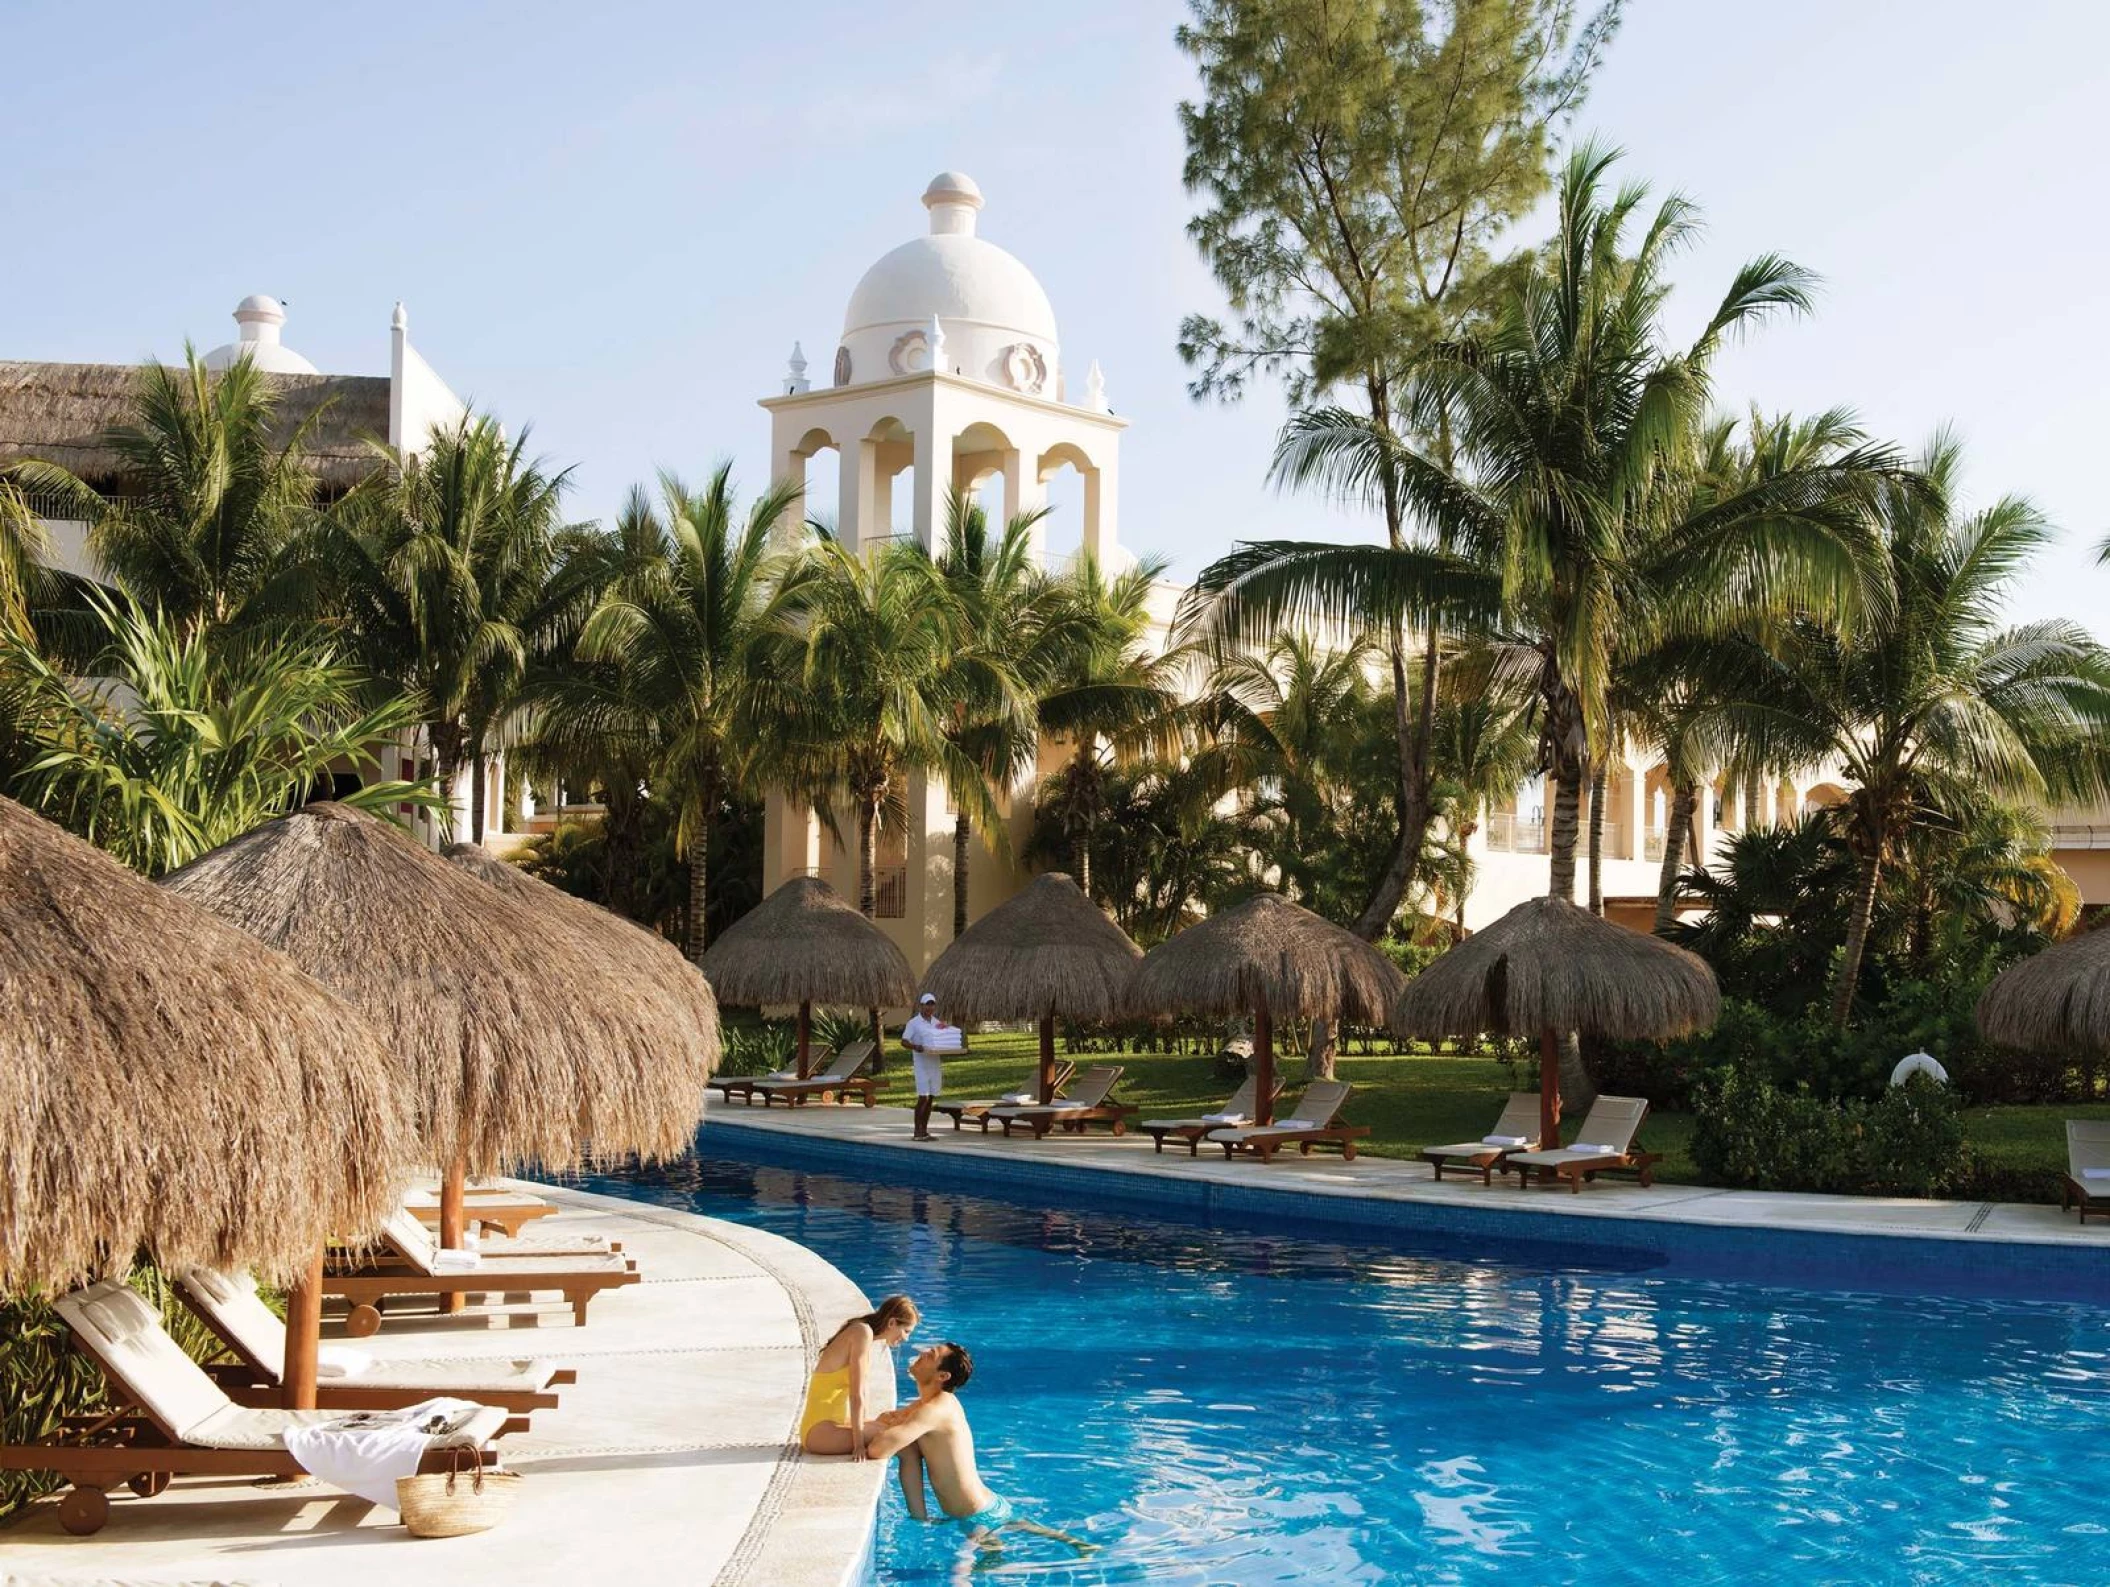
x: 910, y: 354
x: 1024, y: 368
x: 842, y: 366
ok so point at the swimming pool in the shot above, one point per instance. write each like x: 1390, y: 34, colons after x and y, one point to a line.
x: 1247, y: 1408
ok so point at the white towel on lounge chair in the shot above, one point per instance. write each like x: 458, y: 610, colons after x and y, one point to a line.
x: 339, y: 1362
x: 1585, y: 1148
x: 1289, y: 1124
x: 1503, y: 1140
x: 1223, y: 1118
x: 365, y: 1454
x: 450, y: 1259
x: 2095, y: 1173
x: 1017, y: 1099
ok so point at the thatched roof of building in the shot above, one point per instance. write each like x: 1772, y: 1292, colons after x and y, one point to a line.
x: 1271, y: 953
x: 168, y: 1085
x: 2054, y: 1001
x: 59, y: 413
x: 804, y: 944
x: 513, y: 1051
x: 653, y: 965
x: 1552, y: 965
x: 1046, y: 950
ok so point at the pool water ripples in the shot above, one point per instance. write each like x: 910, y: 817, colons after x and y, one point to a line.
x: 1220, y: 1407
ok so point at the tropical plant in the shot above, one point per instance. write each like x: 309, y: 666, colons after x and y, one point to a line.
x: 1926, y: 703
x: 24, y: 546
x: 1115, y: 699
x: 178, y: 745
x: 448, y: 570
x: 210, y: 526
x: 656, y: 690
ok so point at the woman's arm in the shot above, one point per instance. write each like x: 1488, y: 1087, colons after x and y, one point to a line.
x: 860, y: 1353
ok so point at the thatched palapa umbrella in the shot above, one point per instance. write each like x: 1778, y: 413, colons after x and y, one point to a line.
x: 1046, y: 952
x: 1549, y: 966
x: 168, y: 1085
x: 512, y: 1048
x: 1271, y: 959
x: 2054, y: 1001
x: 803, y: 944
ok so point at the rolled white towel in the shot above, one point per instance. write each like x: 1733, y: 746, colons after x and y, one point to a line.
x: 2095, y: 1173
x: 449, y: 1259
x: 1018, y: 1099
x: 1503, y: 1140
x: 1596, y: 1151
x: 1223, y: 1118
x: 1292, y: 1124
x: 341, y: 1361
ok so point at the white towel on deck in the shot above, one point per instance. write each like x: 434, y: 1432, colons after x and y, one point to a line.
x: 341, y: 1361
x: 368, y: 1457
x: 1503, y: 1140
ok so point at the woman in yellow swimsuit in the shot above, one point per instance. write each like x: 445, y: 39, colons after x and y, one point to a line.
x: 834, y: 1420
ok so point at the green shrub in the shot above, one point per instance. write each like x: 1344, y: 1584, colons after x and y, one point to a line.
x: 758, y: 1049
x: 1750, y: 1133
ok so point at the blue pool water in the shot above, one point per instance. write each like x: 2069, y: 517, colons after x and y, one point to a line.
x: 1246, y: 1408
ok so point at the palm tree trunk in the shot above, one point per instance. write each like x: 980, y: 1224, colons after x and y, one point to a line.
x: 1678, y: 825
x: 867, y: 857
x: 962, y: 842
x: 1318, y: 1062
x: 476, y: 794
x: 1856, y: 940
x: 700, y: 870
x: 1598, y: 779
x: 1567, y: 828
x: 1416, y: 808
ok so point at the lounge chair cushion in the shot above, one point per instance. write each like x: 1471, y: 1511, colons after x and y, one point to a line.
x: 122, y: 1330
x: 255, y: 1427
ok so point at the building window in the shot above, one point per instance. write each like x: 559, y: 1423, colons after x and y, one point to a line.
x: 890, y: 875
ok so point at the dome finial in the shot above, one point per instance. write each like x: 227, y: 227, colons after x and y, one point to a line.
x: 952, y: 198
x: 1095, y: 389
x: 795, y: 380
x: 400, y: 320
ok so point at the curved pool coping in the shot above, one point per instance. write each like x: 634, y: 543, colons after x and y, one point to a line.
x: 1964, y: 1249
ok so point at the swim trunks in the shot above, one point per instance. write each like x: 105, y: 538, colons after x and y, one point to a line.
x: 987, y: 1519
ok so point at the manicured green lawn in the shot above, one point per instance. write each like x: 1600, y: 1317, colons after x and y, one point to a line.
x: 1411, y: 1100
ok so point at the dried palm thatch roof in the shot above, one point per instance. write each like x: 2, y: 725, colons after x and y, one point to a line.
x: 513, y: 1051
x: 804, y: 944
x: 1552, y: 965
x: 654, y: 966
x: 1267, y: 953
x: 58, y: 413
x: 167, y: 1084
x: 1046, y: 950
x: 2054, y: 1001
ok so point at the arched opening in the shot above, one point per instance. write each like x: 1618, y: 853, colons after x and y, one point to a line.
x: 819, y: 480
x: 1069, y: 485
x: 890, y: 449
x: 1825, y: 796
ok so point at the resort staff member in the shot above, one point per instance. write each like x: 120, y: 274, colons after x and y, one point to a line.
x: 921, y: 1036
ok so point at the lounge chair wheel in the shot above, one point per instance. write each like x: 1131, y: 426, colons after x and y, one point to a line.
x: 1347, y: 1151
x: 363, y: 1321
x: 84, y: 1510
x: 149, y: 1483
x: 1120, y: 1127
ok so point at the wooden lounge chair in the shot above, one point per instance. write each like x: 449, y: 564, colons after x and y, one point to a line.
x: 393, y: 1273
x: 845, y: 1073
x: 1236, y: 1112
x: 410, y: 1241
x: 168, y: 1418
x: 1311, y: 1123
x: 1517, y: 1130
x: 228, y: 1304
x: 1022, y: 1097
x: 1089, y: 1102
x: 2087, y: 1183
x: 1604, y: 1145
x: 507, y: 1211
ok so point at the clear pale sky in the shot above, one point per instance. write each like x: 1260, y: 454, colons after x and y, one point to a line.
x: 613, y: 221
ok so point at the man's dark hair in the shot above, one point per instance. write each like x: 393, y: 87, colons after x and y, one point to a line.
x: 955, y: 1365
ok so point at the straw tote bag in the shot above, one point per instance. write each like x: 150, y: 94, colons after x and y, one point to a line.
x: 466, y: 1497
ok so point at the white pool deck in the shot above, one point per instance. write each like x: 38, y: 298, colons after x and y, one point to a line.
x: 672, y: 1459
x: 1396, y: 1179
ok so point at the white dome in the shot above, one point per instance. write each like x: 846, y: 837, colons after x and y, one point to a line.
x: 260, y: 317
x: 994, y: 321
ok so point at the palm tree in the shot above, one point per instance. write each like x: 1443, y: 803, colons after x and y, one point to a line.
x: 210, y: 523
x: 183, y: 743
x: 665, y: 663
x: 449, y: 571
x: 1484, y: 746
x: 1565, y: 414
x: 1925, y: 703
x: 1113, y: 699
x: 1002, y: 605
x: 858, y: 689
x: 23, y: 548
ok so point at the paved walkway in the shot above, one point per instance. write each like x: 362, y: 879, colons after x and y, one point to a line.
x: 1372, y: 1183
x: 670, y: 1460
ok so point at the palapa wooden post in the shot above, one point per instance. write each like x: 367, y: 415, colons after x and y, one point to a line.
x: 303, y: 1338
x: 1047, y: 1058
x: 805, y: 1039
x: 1263, y: 1066
x: 453, y: 1225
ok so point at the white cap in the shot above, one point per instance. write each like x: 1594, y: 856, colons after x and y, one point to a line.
x: 927, y: 997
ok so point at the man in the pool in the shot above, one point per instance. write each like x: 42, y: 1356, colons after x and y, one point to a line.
x: 930, y: 1436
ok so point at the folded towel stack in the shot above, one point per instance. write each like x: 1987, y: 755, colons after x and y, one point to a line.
x: 1503, y: 1140
x: 1596, y: 1151
x: 1017, y: 1099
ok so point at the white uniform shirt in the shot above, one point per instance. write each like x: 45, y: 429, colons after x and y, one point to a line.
x: 929, y: 1067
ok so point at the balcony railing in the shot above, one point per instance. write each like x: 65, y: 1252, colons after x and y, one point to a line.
x: 2081, y: 837
x: 1510, y: 833
x: 890, y: 892
x: 1653, y: 842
